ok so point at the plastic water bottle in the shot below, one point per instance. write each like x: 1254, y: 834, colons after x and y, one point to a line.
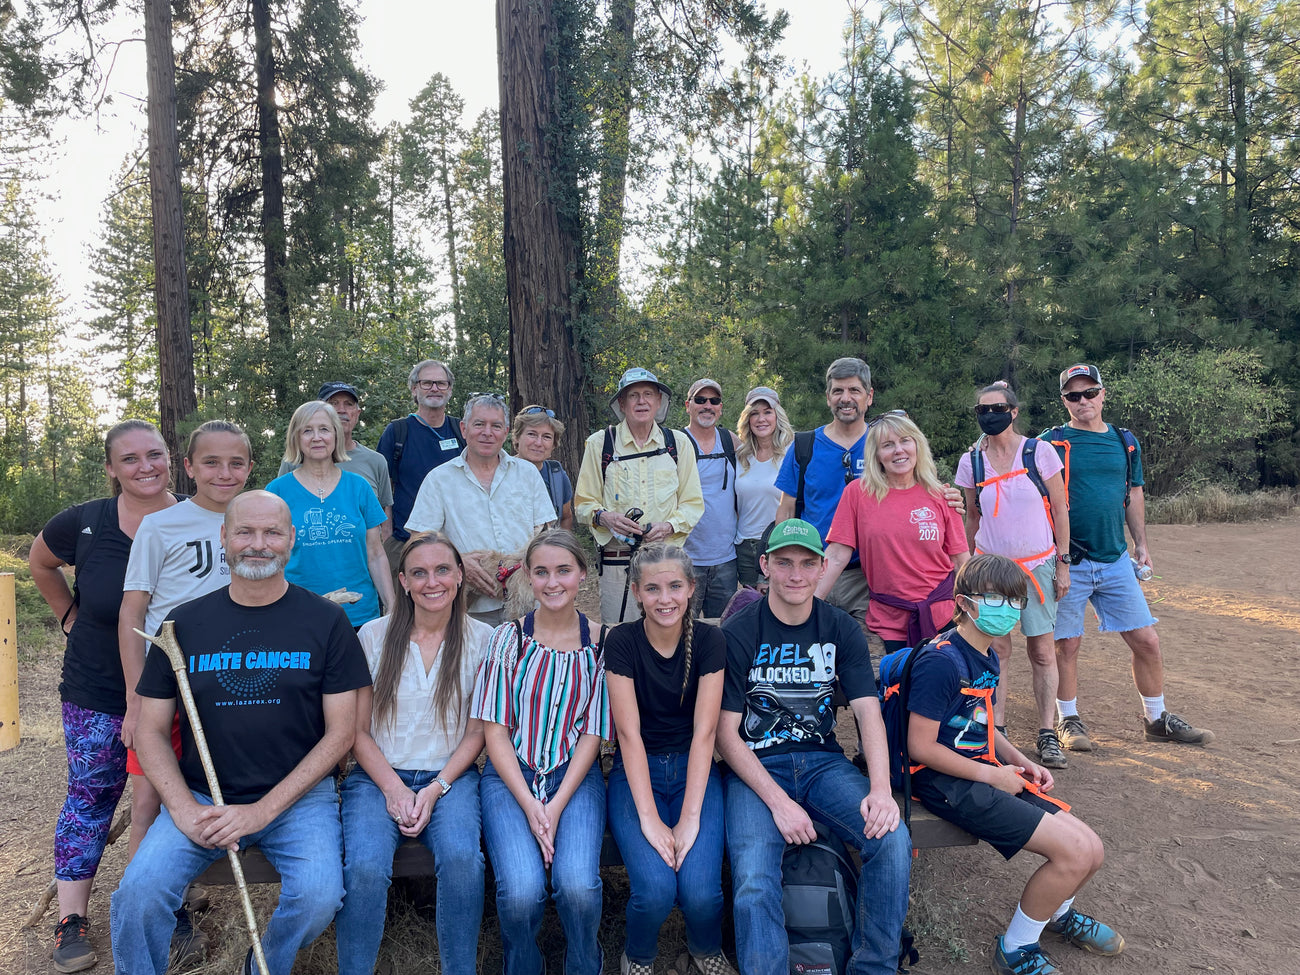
x: 1142, y: 571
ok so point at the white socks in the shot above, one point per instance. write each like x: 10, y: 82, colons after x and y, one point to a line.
x: 1063, y: 910
x: 1070, y: 708
x: 1023, y: 930
x: 1154, y: 707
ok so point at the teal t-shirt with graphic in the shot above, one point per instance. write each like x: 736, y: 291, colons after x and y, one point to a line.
x: 1096, y: 470
x: 329, y: 549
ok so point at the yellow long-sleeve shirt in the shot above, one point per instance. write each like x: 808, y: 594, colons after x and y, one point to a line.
x: 664, y: 490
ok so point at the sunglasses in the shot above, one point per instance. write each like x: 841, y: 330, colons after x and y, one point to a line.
x: 711, y: 400
x: 1079, y: 394
x: 880, y: 416
x: 986, y: 408
x: 537, y: 411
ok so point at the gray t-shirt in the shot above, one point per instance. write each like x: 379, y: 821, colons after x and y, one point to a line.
x: 713, y: 540
x: 176, y: 557
x: 367, y: 463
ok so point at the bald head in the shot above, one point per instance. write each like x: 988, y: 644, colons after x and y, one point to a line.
x: 257, y: 535
x: 257, y: 504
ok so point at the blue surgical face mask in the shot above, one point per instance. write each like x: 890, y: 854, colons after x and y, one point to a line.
x: 994, y: 620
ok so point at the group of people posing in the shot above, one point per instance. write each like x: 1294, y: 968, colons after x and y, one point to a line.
x: 301, y: 649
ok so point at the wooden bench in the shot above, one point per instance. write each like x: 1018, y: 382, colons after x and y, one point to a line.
x: 414, y: 860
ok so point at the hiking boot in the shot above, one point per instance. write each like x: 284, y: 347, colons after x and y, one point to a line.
x: 1087, y: 932
x: 715, y: 964
x: 1170, y: 727
x: 72, y: 951
x: 1026, y: 960
x: 1073, y: 734
x: 627, y: 966
x: 1049, y: 750
x: 189, y: 944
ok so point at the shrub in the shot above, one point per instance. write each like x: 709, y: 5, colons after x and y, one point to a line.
x: 1198, y: 415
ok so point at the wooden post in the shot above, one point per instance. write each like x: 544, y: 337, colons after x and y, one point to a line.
x: 8, y: 664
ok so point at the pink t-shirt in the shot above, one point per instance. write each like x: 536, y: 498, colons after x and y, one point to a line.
x: 906, y: 543
x: 1013, y: 521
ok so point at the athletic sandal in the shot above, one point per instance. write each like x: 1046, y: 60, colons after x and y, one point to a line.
x: 629, y: 967
x: 72, y: 951
x: 1049, y: 750
x: 715, y: 964
x: 1073, y: 734
x: 1087, y: 932
x: 1025, y: 960
x: 1170, y: 727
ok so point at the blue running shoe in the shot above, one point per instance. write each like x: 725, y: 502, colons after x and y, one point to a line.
x: 1087, y: 932
x: 1025, y: 960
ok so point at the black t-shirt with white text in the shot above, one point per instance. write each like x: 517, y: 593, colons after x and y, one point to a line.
x: 667, y: 715
x: 259, y: 675
x: 781, y: 678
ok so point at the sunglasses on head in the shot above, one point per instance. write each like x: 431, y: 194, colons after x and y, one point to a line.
x: 711, y: 400
x: 880, y: 416
x: 1090, y: 393
x: 986, y: 408
x: 537, y: 411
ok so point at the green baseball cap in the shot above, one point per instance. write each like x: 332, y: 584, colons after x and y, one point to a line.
x: 795, y: 531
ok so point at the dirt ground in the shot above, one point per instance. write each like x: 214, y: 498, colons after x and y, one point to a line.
x: 1203, y: 845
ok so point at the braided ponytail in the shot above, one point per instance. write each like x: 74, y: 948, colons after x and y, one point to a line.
x: 653, y: 554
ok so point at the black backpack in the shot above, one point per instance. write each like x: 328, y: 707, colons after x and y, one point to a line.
x: 819, y: 890
x: 608, y: 457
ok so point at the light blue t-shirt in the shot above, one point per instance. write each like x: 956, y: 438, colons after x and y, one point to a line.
x: 824, y: 482
x: 329, y: 551
x: 713, y: 539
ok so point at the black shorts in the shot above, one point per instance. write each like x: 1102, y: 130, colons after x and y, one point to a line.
x: 1004, y: 821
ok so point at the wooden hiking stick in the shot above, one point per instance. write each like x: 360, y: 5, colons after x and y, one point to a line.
x: 166, y: 641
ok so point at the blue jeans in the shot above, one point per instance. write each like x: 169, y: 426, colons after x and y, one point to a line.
x: 521, y: 874
x: 828, y: 786
x: 655, y: 886
x: 304, y: 844
x: 370, y: 838
x: 714, y: 586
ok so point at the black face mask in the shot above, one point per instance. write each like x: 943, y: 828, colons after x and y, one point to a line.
x: 994, y: 423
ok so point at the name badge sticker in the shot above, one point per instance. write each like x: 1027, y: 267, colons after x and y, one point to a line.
x: 452, y: 444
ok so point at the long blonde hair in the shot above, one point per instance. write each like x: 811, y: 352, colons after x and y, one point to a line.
x: 873, y: 472
x: 781, y: 438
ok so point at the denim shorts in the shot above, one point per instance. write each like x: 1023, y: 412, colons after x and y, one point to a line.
x: 1115, y: 594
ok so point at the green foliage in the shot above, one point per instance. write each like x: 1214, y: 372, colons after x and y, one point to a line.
x: 1200, y: 415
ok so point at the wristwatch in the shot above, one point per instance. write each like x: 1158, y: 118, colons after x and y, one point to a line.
x: 446, y: 786
x: 1065, y: 559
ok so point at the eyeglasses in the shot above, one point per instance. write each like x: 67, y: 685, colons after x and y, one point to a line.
x: 427, y: 384
x: 1079, y: 394
x: 537, y: 411
x: 888, y: 413
x: 985, y: 408
x: 995, y: 599
x: 711, y: 400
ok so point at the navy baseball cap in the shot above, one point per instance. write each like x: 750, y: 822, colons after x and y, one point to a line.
x: 331, y: 389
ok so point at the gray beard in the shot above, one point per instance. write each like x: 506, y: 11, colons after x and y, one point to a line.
x: 258, y: 573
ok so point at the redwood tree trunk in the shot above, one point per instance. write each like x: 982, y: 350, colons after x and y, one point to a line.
x: 176, y: 398
x: 275, y: 257
x: 542, y: 238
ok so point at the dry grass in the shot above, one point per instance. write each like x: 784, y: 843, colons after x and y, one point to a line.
x: 1216, y: 504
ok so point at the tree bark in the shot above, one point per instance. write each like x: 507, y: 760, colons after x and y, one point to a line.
x: 542, y: 240
x: 176, y: 398
x: 275, y: 256
x: 616, y: 129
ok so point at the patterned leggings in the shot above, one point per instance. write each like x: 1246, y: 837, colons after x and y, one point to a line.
x: 96, y: 778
